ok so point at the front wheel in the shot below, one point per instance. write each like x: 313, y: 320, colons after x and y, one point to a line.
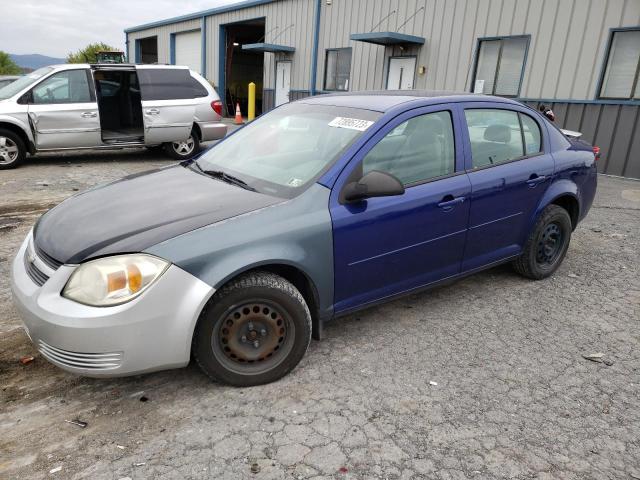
x: 12, y: 150
x: 255, y: 330
x: 185, y: 149
x: 547, y: 244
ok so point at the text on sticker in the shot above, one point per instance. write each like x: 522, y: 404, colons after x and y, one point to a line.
x: 350, y: 123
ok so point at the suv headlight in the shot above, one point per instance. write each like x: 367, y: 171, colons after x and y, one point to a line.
x: 113, y: 280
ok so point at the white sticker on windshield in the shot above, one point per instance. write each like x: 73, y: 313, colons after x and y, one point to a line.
x: 350, y: 123
x: 295, y: 182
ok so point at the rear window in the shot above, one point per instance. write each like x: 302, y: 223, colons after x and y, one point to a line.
x: 165, y: 83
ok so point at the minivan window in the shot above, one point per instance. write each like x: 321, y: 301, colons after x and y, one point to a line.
x: 23, y: 82
x: 69, y: 86
x: 495, y: 136
x: 165, y: 83
x: 198, y: 89
x: 282, y: 152
x: 415, y: 151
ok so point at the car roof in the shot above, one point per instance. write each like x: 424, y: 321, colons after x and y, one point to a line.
x: 70, y: 66
x: 384, y: 100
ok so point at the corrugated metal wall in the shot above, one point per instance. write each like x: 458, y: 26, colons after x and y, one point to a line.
x: 568, y: 39
x: 614, y: 128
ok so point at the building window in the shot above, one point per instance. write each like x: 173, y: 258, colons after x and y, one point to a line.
x: 620, y: 79
x: 500, y: 66
x: 337, y: 69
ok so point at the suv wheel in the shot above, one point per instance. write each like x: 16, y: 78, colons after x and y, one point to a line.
x: 547, y: 244
x: 183, y: 150
x: 254, y: 330
x: 12, y: 150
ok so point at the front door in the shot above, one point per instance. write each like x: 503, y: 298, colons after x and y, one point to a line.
x: 509, y: 172
x: 168, y: 103
x: 63, y: 112
x: 389, y: 245
x: 401, y: 73
x: 283, y: 82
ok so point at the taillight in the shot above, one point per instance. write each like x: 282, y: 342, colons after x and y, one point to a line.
x: 596, y: 153
x: 217, y: 107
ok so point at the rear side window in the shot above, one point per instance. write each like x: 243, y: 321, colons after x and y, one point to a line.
x: 198, y: 90
x: 415, y: 151
x: 165, y: 83
x: 498, y: 136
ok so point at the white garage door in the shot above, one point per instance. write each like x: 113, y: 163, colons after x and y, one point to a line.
x: 188, y: 48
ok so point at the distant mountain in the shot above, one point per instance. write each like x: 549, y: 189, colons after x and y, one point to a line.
x: 35, y: 61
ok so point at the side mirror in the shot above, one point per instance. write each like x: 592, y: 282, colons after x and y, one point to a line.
x: 373, y: 184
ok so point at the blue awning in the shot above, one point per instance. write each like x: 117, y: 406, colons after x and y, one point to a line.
x: 268, y: 47
x: 388, y: 38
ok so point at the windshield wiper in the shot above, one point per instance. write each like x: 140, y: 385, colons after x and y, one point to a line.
x: 225, y: 177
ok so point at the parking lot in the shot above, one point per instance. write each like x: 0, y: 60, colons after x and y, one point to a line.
x: 485, y: 378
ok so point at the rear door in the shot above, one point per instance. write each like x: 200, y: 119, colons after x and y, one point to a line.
x: 63, y: 112
x: 168, y: 103
x: 510, y: 168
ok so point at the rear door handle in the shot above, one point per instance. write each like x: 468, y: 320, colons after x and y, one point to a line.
x: 89, y: 114
x: 153, y: 111
x: 448, y: 202
x: 535, y: 179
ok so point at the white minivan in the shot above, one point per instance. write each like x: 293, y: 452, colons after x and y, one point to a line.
x: 107, y: 106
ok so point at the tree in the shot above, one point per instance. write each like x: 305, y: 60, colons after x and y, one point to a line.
x: 8, y: 66
x: 88, y: 53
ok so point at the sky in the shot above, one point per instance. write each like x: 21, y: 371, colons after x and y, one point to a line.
x: 57, y: 27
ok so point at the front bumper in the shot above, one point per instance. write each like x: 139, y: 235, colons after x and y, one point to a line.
x: 212, y: 130
x: 151, y: 332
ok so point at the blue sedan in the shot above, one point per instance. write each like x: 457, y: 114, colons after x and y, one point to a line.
x: 315, y: 210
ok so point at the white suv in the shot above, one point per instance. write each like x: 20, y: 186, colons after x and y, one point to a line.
x: 77, y: 106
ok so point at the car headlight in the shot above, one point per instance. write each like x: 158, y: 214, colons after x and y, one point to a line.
x: 113, y: 280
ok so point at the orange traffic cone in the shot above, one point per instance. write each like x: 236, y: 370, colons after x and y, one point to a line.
x: 238, y: 120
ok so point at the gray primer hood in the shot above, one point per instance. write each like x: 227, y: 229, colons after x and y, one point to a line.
x: 138, y: 211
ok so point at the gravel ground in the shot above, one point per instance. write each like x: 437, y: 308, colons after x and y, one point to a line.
x: 483, y: 379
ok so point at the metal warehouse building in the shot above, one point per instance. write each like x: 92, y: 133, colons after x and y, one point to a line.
x: 581, y: 57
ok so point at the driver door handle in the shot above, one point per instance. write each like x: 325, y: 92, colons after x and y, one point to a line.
x: 89, y: 114
x: 449, y: 201
x: 153, y: 111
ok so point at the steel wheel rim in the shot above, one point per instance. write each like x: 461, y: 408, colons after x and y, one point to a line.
x: 8, y: 150
x: 186, y: 147
x: 234, y: 341
x: 550, y: 244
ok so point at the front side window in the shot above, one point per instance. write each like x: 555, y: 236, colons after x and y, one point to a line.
x: 337, y: 69
x: 620, y: 80
x: 70, y: 86
x: 415, y: 151
x: 282, y: 152
x: 500, y: 136
x: 500, y: 66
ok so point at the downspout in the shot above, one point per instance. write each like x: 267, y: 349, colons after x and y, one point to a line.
x: 314, y: 50
x: 126, y: 45
x: 203, y: 47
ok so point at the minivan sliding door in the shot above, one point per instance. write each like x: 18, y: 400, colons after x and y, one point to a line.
x: 168, y: 104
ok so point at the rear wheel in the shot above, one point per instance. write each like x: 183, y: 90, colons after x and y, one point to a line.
x: 547, y: 244
x: 255, y: 330
x: 185, y: 149
x: 12, y: 150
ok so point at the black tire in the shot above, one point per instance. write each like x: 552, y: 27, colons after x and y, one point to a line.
x: 547, y: 244
x: 12, y: 149
x: 255, y: 307
x: 183, y: 150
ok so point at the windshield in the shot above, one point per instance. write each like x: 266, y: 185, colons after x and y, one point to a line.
x: 285, y: 150
x: 23, y: 82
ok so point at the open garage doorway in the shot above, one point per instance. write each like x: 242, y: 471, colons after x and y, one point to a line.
x: 147, y: 50
x: 241, y: 66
